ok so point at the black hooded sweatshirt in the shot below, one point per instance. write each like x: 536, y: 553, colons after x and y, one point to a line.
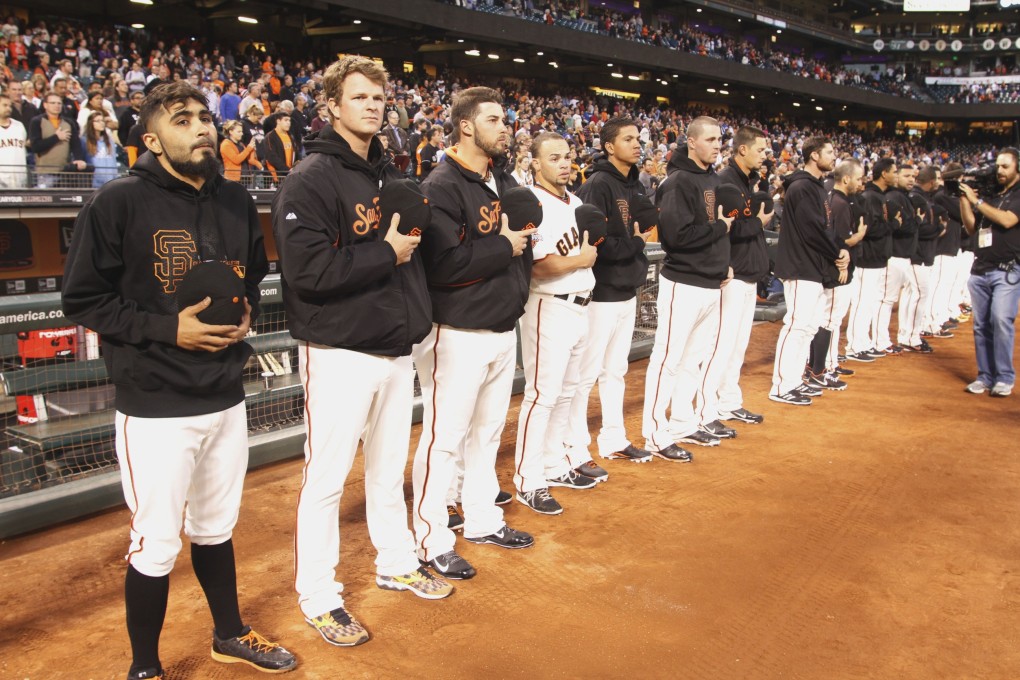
x: 807, y: 243
x: 949, y: 244
x: 874, y: 251
x: 695, y: 240
x: 474, y: 279
x: 928, y: 230
x: 904, y: 236
x: 749, y: 255
x: 133, y: 242
x: 341, y: 283
x: 621, y: 266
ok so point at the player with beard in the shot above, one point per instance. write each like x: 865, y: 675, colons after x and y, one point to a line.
x: 807, y: 248
x: 719, y: 397
x: 182, y: 436
x: 478, y: 273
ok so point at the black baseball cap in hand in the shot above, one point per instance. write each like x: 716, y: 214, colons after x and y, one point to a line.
x: 760, y: 198
x: 223, y: 283
x: 731, y: 200
x: 522, y: 208
x: 403, y: 197
x: 644, y: 212
x: 590, y: 219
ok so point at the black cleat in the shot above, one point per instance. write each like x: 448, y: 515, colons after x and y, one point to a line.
x: 675, y: 454
x: 254, y: 650
x: 794, y: 397
x: 456, y: 520
x: 631, y: 453
x: 502, y: 498
x: 506, y: 538
x: 701, y: 438
x: 717, y: 429
x: 450, y: 565
x: 743, y: 415
x: 572, y: 479
x: 540, y: 501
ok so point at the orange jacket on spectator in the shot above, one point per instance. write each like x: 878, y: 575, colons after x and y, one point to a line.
x: 234, y: 159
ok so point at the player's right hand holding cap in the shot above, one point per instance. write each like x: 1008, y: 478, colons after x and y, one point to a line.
x: 403, y: 197
x: 731, y: 200
x: 592, y: 220
x: 644, y: 212
x: 522, y: 208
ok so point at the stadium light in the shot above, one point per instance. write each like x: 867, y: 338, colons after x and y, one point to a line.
x: 633, y: 78
x: 518, y: 60
x: 251, y: 20
x: 142, y: 2
x: 494, y: 57
x: 616, y: 75
x: 366, y: 38
x: 472, y: 53
x: 554, y: 64
x: 137, y: 25
x: 609, y: 65
x: 724, y: 91
x: 711, y: 89
x: 797, y: 104
x: 752, y: 96
x: 818, y: 108
x: 540, y: 54
x: 356, y: 21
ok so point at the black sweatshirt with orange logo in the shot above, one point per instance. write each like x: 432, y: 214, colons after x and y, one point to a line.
x: 474, y: 280
x: 133, y: 243
x: 341, y: 283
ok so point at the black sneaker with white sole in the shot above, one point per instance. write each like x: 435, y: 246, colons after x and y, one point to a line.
x: 502, y: 498
x: 862, y: 357
x: 876, y: 353
x: 631, y: 453
x: 450, y: 565
x: 456, y: 520
x: 743, y: 415
x: 674, y: 454
x: 809, y: 390
x: 794, y: 397
x: 506, y: 538
x: 700, y: 437
x: 593, y: 470
x: 826, y: 381
x: 252, y: 649
x: 843, y: 372
x: 717, y: 429
x: 572, y: 479
x: 540, y: 501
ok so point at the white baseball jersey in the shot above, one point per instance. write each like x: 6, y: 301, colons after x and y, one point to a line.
x: 558, y: 235
x: 13, y: 171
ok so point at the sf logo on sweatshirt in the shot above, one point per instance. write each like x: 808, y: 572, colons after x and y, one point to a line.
x: 710, y: 205
x: 368, y: 218
x: 490, y: 217
x: 175, y: 253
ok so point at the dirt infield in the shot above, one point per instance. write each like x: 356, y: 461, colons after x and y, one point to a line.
x: 872, y: 535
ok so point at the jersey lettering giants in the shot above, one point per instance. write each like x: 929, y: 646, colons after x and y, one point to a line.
x: 568, y: 241
x: 175, y: 253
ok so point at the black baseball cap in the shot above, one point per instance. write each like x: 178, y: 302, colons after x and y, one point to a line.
x: 222, y: 282
x: 404, y: 198
x: 522, y: 208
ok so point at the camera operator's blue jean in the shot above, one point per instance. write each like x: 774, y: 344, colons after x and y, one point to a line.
x: 994, y: 297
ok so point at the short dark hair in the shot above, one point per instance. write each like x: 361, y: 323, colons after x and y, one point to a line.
x: 165, y: 96
x: 882, y: 166
x: 746, y: 136
x: 812, y: 145
x: 1011, y: 151
x: 540, y: 139
x: 846, y: 168
x: 927, y: 174
x: 466, y: 104
x: 612, y: 129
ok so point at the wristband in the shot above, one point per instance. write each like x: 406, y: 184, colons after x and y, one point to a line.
x: 978, y: 202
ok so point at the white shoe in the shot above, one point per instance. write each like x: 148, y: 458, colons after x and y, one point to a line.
x: 1002, y: 390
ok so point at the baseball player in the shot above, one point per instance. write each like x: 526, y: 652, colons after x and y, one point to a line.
x: 619, y: 270
x: 719, y: 396
x: 554, y: 332
x: 943, y: 309
x: 356, y: 301
x: 695, y: 237
x: 899, y: 281
x: 807, y: 248
x: 181, y: 428
x: 929, y: 230
x: 848, y: 181
x: 478, y: 276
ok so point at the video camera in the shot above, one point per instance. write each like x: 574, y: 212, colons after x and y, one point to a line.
x: 982, y: 179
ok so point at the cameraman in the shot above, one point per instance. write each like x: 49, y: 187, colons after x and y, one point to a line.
x: 995, y: 277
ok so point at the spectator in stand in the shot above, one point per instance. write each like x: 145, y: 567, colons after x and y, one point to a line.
x: 55, y: 143
x: 129, y: 118
x: 13, y: 162
x: 239, y: 160
x: 230, y: 103
x: 427, y: 154
x: 279, y: 146
x: 100, y: 149
x: 252, y: 98
x: 395, y: 135
x: 252, y: 125
x: 297, y: 126
x: 135, y: 77
x: 321, y: 120
x: 95, y: 104
x: 68, y: 106
x: 21, y: 109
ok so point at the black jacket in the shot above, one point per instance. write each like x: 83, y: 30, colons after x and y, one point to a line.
x: 341, y: 283
x: 807, y: 243
x: 844, y: 225
x: 949, y: 244
x: 904, y: 236
x: 928, y: 230
x: 475, y: 281
x: 695, y: 240
x: 621, y: 266
x: 133, y: 242
x: 874, y: 251
x: 749, y: 255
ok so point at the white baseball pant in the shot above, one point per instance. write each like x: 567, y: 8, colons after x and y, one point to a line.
x: 191, y: 466
x: 899, y: 276
x: 836, y: 305
x: 687, y: 329
x: 606, y: 359
x: 553, y: 340
x: 915, y: 301
x: 943, y: 274
x: 720, y: 386
x: 466, y: 377
x: 351, y: 396
x: 961, y: 290
x: 864, y: 306
x: 805, y: 302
